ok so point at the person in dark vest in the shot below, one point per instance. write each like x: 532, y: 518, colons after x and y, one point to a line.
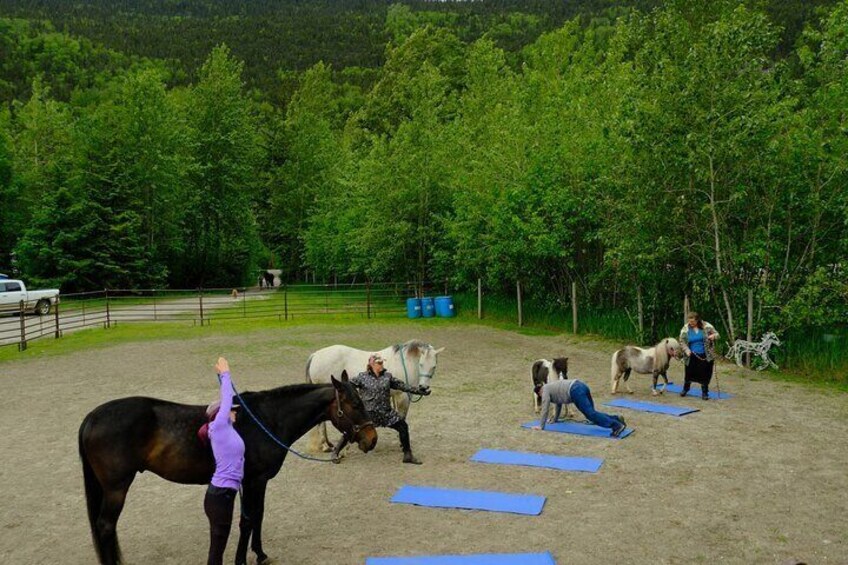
x: 375, y: 385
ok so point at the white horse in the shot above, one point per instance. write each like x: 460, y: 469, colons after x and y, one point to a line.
x: 413, y: 362
x: 653, y: 361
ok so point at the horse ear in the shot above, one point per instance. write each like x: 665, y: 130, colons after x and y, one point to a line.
x: 335, y: 381
x: 439, y: 350
x: 345, y: 377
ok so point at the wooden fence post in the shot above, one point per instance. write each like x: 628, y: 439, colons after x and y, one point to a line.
x: 56, y: 318
x: 108, y: 313
x: 286, y: 301
x: 750, y: 324
x: 518, y: 293
x: 155, y: 315
x: 200, y: 299
x: 244, y: 303
x: 479, y: 298
x: 574, y: 307
x: 23, y: 343
x: 368, y: 300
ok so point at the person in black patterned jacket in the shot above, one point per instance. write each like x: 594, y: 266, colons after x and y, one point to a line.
x: 375, y: 385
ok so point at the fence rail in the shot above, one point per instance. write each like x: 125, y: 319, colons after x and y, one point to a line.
x: 204, y: 306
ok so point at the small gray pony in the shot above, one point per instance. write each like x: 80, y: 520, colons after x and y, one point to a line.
x: 653, y: 361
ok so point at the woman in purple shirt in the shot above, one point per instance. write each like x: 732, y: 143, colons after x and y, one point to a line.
x: 228, y: 449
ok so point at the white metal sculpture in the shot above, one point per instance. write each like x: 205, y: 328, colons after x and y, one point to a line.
x: 761, y: 350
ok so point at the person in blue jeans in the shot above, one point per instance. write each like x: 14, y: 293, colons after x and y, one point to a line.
x: 573, y: 391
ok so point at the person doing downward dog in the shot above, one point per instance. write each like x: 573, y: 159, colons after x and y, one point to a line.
x: 569, y: 391
x: 228, y: 450
x: 698, y: 340
x: 375, y: 385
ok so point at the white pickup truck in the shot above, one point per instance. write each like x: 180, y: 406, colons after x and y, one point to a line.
x: 12, y: 291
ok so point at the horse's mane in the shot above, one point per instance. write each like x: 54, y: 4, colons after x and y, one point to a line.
x: 411, y: 344
x: 286, y: 392
x: 661, y: 356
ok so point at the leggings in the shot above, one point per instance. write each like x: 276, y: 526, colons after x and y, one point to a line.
x: 402, y: 429
x: 218, y: 505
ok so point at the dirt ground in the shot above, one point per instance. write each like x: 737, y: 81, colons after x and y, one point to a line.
x: 759, y: 478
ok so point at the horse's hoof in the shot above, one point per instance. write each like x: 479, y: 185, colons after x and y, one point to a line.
x: 326, y: 448
x: 654, y: 393
x: 264, y: 560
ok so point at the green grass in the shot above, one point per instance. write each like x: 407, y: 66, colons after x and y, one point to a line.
x: 804, y: 357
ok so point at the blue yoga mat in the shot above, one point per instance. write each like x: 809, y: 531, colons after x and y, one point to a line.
x: 480, y: 559
x: 529, y: 504
x: 696, y: 391
x: 585, y: 464
x: 579, y: 429
x: 650, y: 407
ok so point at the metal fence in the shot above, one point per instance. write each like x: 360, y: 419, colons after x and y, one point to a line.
x: 204, y: 306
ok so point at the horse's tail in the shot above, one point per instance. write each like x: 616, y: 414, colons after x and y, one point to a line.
x: 93, y: 493
x: 308, y: 365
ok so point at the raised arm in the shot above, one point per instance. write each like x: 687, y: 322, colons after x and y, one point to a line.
x: 226, y: 391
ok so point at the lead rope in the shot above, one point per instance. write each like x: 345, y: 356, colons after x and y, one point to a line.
x: 272, y: 436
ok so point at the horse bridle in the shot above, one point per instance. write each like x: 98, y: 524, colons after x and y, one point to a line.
x: 354, y: 427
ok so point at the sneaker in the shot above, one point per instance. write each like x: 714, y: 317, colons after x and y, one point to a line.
x: 684, y: 392
x: 618, y: 430
x: 620, y: 419
x: 705, y: 395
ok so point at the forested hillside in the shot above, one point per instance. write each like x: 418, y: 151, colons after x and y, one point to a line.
x: 691, y: 149
x: 278, y: 38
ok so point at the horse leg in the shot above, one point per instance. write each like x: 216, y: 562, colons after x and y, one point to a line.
x: 245, y: 523
x: 257, y: 517
x: 402, y: 403
x: 627, y: 381
x: 107, y: 522
x: 654, y: 376
x: 318, y: 440
x: 664, y: 375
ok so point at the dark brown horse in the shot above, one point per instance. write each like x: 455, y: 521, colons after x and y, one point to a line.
x: 132, y: 435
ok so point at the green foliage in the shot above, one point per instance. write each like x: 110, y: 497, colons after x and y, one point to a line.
x: 641, y: 154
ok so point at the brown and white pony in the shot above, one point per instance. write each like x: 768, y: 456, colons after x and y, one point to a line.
x: 653, y: 361
x: 545, y: 371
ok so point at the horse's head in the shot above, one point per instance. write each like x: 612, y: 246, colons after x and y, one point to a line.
x: 560, y: 365
x: 349, y: 416
x: 673, y: 348
x: 771, y: 338
x: 427, y: 365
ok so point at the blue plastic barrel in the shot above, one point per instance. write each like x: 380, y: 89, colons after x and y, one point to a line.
x: 444, y: 307
x: 428, y: 308
x: 413, y: 307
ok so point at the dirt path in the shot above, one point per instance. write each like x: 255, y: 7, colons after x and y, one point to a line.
x: 760, y: 478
